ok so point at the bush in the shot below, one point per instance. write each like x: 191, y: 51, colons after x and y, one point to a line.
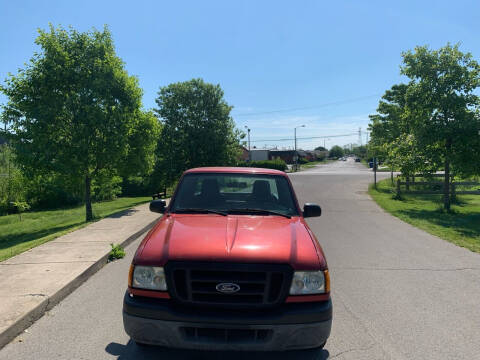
x: 53, y: 190
x: 137, y: 186
x: 117, y: 252
x: 106, y: 186
x: 321, y: 157
x: 277, y: 164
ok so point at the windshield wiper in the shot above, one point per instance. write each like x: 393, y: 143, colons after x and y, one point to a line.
x: 258, y: 211
x: 199, y: 210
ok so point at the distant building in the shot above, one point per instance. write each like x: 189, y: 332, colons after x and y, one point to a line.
x: 259, y: 154
x: 285, y: 155
x: 243, y: 154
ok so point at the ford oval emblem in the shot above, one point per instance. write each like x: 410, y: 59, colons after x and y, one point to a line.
x: 227, y: 288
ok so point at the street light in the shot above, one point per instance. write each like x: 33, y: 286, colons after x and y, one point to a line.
x: 295, y: 138
x: 249, y: 153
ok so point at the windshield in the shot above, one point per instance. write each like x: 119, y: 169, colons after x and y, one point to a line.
x: 235, y: 193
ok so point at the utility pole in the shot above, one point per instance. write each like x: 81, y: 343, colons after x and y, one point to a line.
x: 360, y: 136
x: 249, y: 153
x: 295, y: 142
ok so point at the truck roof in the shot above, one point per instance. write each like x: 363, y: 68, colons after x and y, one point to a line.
x: 236, y: 170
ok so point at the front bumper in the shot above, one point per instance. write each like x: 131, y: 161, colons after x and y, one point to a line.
x: 287, y: 327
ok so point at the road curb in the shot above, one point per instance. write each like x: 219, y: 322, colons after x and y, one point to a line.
x: 49, y: 302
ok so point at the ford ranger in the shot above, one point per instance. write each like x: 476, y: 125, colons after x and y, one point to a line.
x: 231, y: 265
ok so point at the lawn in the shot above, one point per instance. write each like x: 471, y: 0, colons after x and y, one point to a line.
x: 38, y: 227
x: 311, y: 164
x: 461, y: 226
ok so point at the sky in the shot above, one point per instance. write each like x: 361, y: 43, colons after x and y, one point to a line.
x: 281, y: 64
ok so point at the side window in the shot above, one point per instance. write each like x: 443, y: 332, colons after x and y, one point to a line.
x: 284, y: 194
x: 273, y: 188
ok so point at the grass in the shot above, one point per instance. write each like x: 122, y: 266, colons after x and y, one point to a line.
x: 461, y: 226
x: 311, y: 164
x: 38, y: 227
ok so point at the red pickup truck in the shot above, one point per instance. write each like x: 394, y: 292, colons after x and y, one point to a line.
x: 231, y: 265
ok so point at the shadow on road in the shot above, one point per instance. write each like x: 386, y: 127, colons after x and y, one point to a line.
x: 128, y: 212
x: 133, y: 351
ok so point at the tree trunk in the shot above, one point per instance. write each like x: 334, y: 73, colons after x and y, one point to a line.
x: 446, y: 182
x: 88, y: 200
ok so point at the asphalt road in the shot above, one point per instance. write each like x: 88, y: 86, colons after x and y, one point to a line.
x: 398, y: 292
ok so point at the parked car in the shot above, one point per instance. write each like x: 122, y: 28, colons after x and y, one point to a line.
x: 231, y: 265
x: 357, y: 159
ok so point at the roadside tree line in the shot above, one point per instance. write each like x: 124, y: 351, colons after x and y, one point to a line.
x: 431, y: 122
x: 76, y: 129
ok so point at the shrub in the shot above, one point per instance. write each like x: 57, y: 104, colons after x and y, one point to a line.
x: 136, y: 186
x: 49, y: 191
x: 277, y: 164
x: 106, y: 186
x: 21, y: 207
x: 321, y: 157
x: 117, y: 252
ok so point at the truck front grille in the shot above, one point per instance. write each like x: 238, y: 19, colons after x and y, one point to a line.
x: 256, y: 285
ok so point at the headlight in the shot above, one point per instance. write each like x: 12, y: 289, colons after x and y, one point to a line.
x: 308, y: 282
x: 149, y: 277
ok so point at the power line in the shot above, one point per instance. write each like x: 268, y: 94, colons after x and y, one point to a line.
x: 341, y: 102
x: 307, y: 138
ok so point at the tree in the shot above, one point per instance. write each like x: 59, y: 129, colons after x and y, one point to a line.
x: 442, y: 109
x: 320, y: 148
x: 336, y: 152
x: 74, y: 108
x: 197, y: 128
x: 360, y: 151
x: 386, y: 128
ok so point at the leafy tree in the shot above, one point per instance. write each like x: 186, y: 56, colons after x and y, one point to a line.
x: 197, y: 128
x: 442, y: 109
x: 74, y: 107
x: 336, y: 152
x: 320, y: 148
x: 360, y: 151
x: 386, y: 128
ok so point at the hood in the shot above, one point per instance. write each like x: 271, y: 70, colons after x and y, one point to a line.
x: 233, y: 238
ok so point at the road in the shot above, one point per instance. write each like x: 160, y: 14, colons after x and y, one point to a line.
x: 398, y: 293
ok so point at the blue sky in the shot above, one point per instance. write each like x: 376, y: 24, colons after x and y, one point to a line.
x: 334, y: 58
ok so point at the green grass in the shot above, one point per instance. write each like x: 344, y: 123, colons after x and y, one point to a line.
x: 461, y: 226
x: 311, y: 164
x: 38, y: 227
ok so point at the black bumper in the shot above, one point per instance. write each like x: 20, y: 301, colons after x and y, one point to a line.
x: 286, y: 327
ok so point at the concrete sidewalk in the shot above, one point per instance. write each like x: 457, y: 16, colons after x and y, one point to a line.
x: 33, y: 282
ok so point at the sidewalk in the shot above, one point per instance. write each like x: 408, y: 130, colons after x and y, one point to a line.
x: 35, y: 281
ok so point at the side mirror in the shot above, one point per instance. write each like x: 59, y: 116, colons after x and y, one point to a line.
x: 311, y: 210
x: 158, y: 206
